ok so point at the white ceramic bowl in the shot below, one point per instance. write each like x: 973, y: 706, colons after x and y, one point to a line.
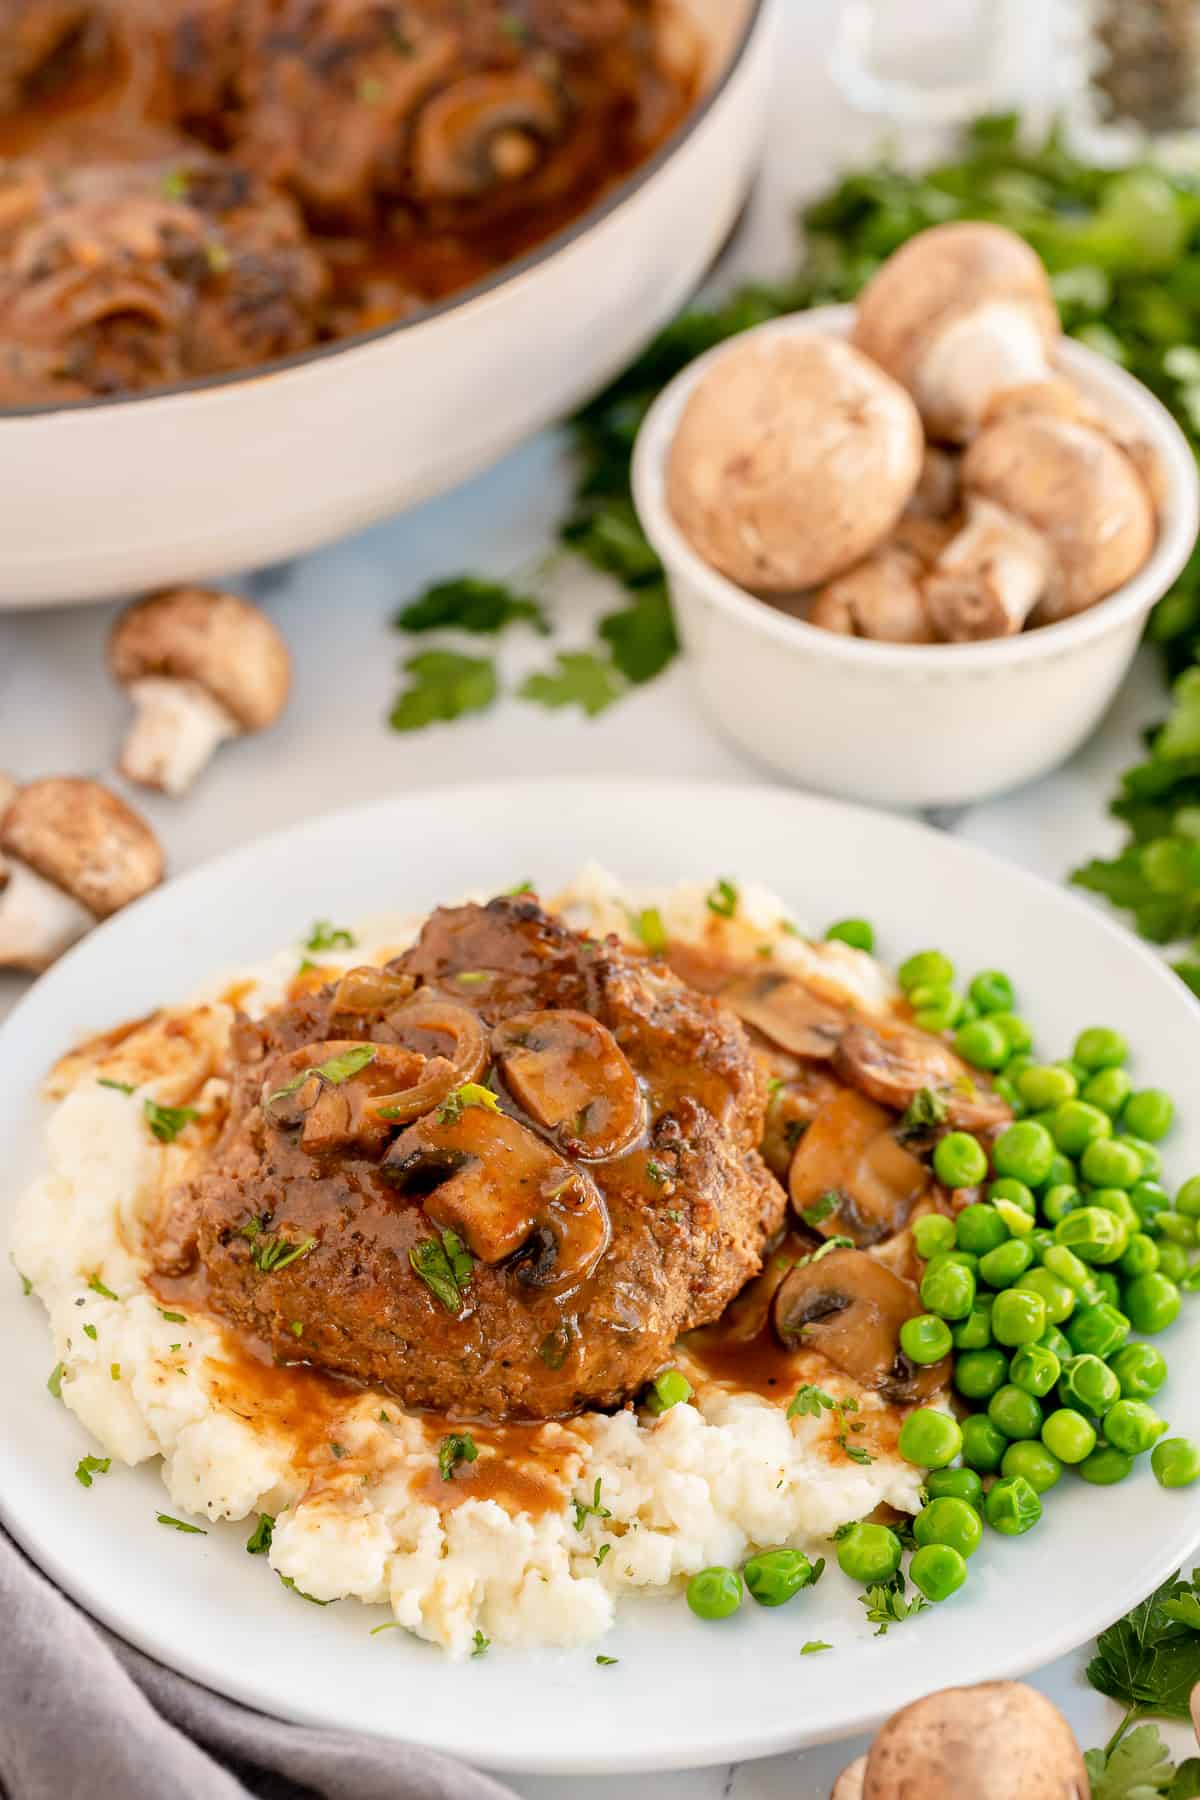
x: 103, y: 497
x: 901, y: 724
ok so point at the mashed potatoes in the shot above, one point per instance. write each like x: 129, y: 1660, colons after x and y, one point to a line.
x: 623, y: 1502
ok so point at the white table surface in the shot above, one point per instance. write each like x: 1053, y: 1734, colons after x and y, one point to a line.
x: 59, y: 713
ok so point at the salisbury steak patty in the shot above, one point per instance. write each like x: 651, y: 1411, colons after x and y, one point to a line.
x: 499, y: 1177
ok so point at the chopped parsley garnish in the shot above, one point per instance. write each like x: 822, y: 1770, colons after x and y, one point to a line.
x: 445, y: 1266
x: 656, y: 1172
x: 855, y: 1452
x: 522, y: 887
x: 326, y: 936
x: 607, y: 1662
x: 1149, y: 1661
x: 584, y: 1512
x: 172, y: 1318
x: 812, y: 1646
x: 339, y: 1450
x: 810, y: 1402
x: 289, y: 1583
x: 444, y: 686
x: 673, y: 1213
x: 87, y: 1466
x: 820, y: 1209
x: 89, y: 1331
x: 388, y: 1625
x: 371, y: 90
x: 270, y: 1252
x: 121, y: 1087
x: 297, y: 1328
x: 515, y: 28
x: 886, y: 1605
x: 98, y: 1287
x: 925, y: 1112
x: 114, y: 1370
x: 384, y: 1418
x: 26, y: 1284
x: 174, y: 184
x: 579, y: 679
x: 648, y: 926
x: 458, y: 1447
x: 830, y: 1245
x: 166, y: 1122
x: 469, y: 1094
x: 481, y: 1645
x: 337, y: 1070
x: 181, y: 1525
x: 722, y: 899
x: 601, y: 1553
x: 555, y: 1347
x: 473, y: 977
x: 469, y: 603
x: 54, y: 1380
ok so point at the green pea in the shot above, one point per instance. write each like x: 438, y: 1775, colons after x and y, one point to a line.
x: 715, y: 1593
x: 955, y: 1484
x: 1116, y: 1200
x: 1007, y: 1090
x: 925, y: 1338
x: 1106, y: 1466
x: 1176, y: 1462
x: 1012, y: 1506
x: 1019, y: 1317
x: 1037, y: 1465
x: 980, y: 1229
x: 1149, y: 1113
x: 1108, y: 1163
x: 979, y: 1373
x: 1132, y: 1426
x: 1005, y: 1264
x: 983, y: 1043
x: 1014, y: 1412
x: 1108, y: 1287
x: 952, y: 1522
x: 1100, y: 1048
x: 1034, y: 1370
x: 1109, y: 1090
x: 932, y: 1234
x: 1178, y: 1227
x: 937, y: 1570
x: 1041, y: 1240
x: 1172, y: 1261
x: 1140, y: 1370
x: 1066, y: 1267
x: 855, y: 932
x: 1056, y: 1295
x: 869, y: 1553
x: 1098, y: 1330
x: 1152, y: 1303
x: 1013, y: 1193
x: 669, y: 1389
x: 1148, y: 1199
x: 1094, y: 1234
x: 992, y: 992
x: 1076, y: 1125
x: 1068, y: 1435
x: 959, y: 1160
x: 947, y: 1289
x: 983, y: 1444
x: 1058, y: 1201
x: 926, y: 967
x: 1187, y: 1200
x: 1141, y: 1257
x: 1053, y: 1339
x: 1017, y: 1030
x: 1149, y: 1155
x: 1062, y: 1171
x: 939, y: 1017
x: 1044, y: 1085
x: 930, y: 1439
x: 1089, y: 1384
x: 1024, y: 1150
x: 968, y: 1012
x: 774, y: 1576
x: 975, y: 1331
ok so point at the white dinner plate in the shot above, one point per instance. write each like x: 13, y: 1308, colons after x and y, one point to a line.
x: 683, y: 1693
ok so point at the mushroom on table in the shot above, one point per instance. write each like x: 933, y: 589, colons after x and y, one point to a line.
x: 201, y: 667
x: 75, y: 854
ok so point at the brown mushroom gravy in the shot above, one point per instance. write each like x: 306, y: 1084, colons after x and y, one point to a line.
x: 194, y: 186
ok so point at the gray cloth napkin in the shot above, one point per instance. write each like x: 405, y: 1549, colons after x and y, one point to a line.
x: 83, y: 1713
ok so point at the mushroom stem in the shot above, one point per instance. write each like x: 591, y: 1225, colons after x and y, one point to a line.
x: 975, y: 358
x: 989, y: 579
x: 176, y: 731
x: 38, y: 921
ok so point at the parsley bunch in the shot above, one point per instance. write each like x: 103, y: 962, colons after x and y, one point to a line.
x: 1148, y: 1662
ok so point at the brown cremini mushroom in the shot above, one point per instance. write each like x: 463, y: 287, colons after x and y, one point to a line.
x: 794, y: 458
x: 569, y: 1073
x: 849, y: 1177
x: 1057, y: 517
x: 786, y: 1012
x: 880, y: 598
x: 850, y: 1308
x: 483, y: 131
x: 75, y: 854
x: 958, y: 314
x: 1000, y: 1740
x: 8, y: 793
x: 893, y: 1065
x: 201, y: 667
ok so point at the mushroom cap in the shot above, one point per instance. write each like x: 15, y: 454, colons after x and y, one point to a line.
x: 793, y: 459
x: 219, y: 641
x: 936, y: 278
x: 879, y: 598
x: 79, y: 836
x: 1076, y: 488
x: 998, y: 1741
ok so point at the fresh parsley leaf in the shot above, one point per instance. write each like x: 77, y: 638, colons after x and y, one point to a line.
x: 648, y: 926
x: 607, y: 1662
x: 656, y: 1172
x: 886, y: 1605
x: 323, y: 935
x: 642, y: 635
x: 855, y: 1452
x: 481, y: 1645
x: 555, y: 1347
x: 819, y: 1211
x: 812, y: 1646
x: 444, y: 1265
x: 26, y: 1284
x: 469, y: 1094
x: 608, y: 534
x: 457, y: 1447
x: 337, y: 1070
x: 87, y: 1466
x: 270, y: 1252
x: 924, y: 1113
x: 1138, y: 1768
x: 810, y: 1402
x: 1186, y: 1785
x: 181, y: 1525
x: 166, y: 1122
x: 172, y: 1318
x: 89, y: 1331
x: 1186, y: 1609
x: 290, y: 1584
x: 722, y: 899
x: 444, y: 686
x: 54, y: 1380
x: 579, y: 679
x: 122, y: 1087
x: 584, y: 1512
x: 1149, y: 1661
x: 469, y: 603
x: 98, y: 1287
x: 601, y: 1553
x: 259, y: 1541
